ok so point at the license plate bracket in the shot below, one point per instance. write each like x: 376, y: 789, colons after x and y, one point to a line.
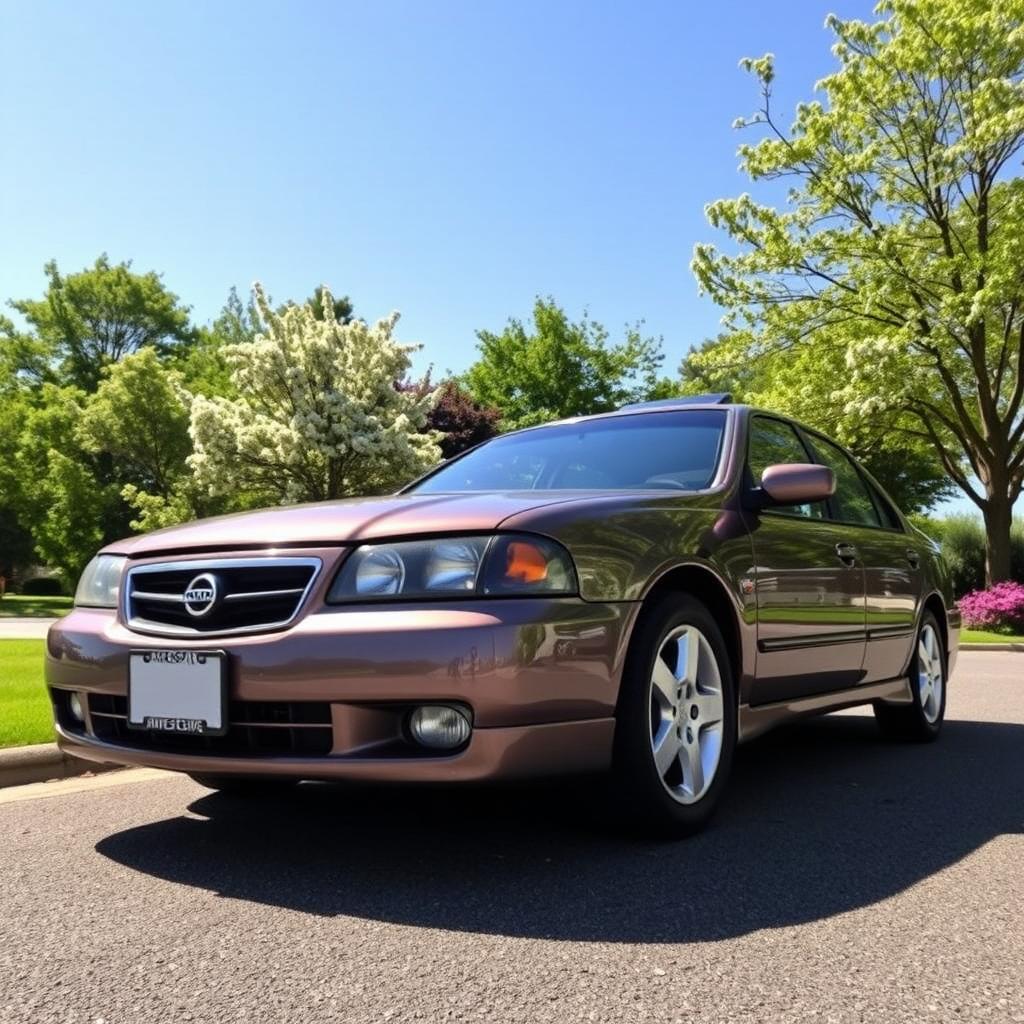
x: 178, y: 692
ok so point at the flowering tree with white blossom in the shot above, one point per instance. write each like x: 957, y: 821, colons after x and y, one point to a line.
x: 318, y: 414
x: 896, y: 253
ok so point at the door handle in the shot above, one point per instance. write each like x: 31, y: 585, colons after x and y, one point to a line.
x: 913, y: 557
x: 847, y: 553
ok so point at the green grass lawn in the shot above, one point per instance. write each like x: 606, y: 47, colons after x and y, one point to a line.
x: 25, y: 715
x: 984, y: 636
x: 36, y: 607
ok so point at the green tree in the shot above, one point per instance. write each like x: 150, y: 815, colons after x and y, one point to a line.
x: 343, y: 309
x: 71, y: 506
x: 556, y: 368
x: 796, y: 381
x: 139, y: 415
x: 92, y: 318
x: 900, y: 241
x: 16, y: 543
x: 66, y: 498
x: 23, y: 358
x: 202, y: 364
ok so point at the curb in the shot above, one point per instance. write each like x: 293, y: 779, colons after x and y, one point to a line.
x: 993, y: 647
x: 43, y: 762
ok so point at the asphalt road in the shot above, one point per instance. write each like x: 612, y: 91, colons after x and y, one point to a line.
x: 844, y: 880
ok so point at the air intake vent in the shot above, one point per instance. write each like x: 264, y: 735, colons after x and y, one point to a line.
x: 256, y: 729
x: 231, y: 595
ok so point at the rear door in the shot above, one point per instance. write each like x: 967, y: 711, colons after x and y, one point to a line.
x: 891, y: 561
x: 810, y: 590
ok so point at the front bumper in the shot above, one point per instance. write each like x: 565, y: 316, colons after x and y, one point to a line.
x: 540, y: 677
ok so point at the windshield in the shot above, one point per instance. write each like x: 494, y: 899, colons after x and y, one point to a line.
x: 665, y: 450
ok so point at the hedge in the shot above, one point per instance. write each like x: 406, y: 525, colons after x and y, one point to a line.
x: 42, y: 586
x: 962, y: 538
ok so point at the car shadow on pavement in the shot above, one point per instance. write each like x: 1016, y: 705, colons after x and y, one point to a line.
x: 822, y: 817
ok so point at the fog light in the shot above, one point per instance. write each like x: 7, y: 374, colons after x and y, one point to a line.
x: 439, y: 726
x: 75, y: 707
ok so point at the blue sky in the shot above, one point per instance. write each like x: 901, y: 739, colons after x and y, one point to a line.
x: 448, y: 159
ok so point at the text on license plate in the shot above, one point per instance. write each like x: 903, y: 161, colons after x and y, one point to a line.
x: 177, y: 691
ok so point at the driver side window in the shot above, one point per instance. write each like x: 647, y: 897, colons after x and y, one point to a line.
x: 773, y: 442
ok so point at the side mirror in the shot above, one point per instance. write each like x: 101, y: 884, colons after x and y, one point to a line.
x: 797, y: 483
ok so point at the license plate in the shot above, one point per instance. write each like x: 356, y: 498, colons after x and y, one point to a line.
x: 183, y: 692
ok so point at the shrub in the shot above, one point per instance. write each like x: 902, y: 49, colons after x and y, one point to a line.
x: 962, y: 538
x: 42, y: 586
x: 963, y: 545
x: 1000, y: 608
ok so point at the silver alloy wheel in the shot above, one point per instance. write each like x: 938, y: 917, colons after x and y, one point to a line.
x: 930, y: 676
x: 687, y: 713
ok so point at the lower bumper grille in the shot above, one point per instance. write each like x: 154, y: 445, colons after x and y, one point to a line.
x: 256, y: 729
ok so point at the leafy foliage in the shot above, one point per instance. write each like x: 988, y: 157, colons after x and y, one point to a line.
x: 560, y: 369
x: 461, y: 421
x: 67, y: 497
x: 343, y: 309
x: 962, y: 538
x: 139, y: 415
x: 317, y: 415
x: 899, y: 245
x: 84, y: 411
x: 90, y: 319
x: 799, y: 381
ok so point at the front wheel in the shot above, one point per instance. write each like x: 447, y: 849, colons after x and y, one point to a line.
x: 676, y: 720
x: 921, y: 720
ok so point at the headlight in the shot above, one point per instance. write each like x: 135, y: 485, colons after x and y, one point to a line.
x: 100, y: 582
x: 508, y: 564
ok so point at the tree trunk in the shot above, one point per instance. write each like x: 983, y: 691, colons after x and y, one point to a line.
x: 998, y: 513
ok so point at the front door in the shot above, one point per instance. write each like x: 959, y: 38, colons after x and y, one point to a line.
x: 810, y: 588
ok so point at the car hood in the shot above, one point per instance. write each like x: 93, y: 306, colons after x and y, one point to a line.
x: 349, y: 520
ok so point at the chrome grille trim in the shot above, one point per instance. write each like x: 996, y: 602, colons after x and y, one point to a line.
x: 252, y: 595
x: 134, y: 588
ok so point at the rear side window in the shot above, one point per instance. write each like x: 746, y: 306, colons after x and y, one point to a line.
x: 890, y: 517
x: 772, y: 443
x: 852, y: 501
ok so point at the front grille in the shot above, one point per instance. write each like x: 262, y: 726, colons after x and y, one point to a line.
x: 256, y: 728
x: 207, y: 598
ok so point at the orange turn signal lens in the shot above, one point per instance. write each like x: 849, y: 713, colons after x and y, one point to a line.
x: 525, y: 562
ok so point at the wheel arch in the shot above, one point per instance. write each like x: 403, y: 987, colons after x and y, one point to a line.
x: 933, y: 603
x: 702, y: 582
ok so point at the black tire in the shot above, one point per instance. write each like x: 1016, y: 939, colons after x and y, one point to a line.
x: 914, y: 722
x: 245, y: 786
x: 646, y: 800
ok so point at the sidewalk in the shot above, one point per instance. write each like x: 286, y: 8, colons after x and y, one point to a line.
x: 24, y: 628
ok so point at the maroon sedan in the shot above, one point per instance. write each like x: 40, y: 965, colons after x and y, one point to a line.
x: 631, y: 593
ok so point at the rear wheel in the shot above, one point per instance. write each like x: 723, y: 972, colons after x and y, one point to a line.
x: 921, y: 720
x: 244, y: 786
x: 676, y: 728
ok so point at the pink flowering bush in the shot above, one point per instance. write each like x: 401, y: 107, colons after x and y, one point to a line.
x: 1000, y: 608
